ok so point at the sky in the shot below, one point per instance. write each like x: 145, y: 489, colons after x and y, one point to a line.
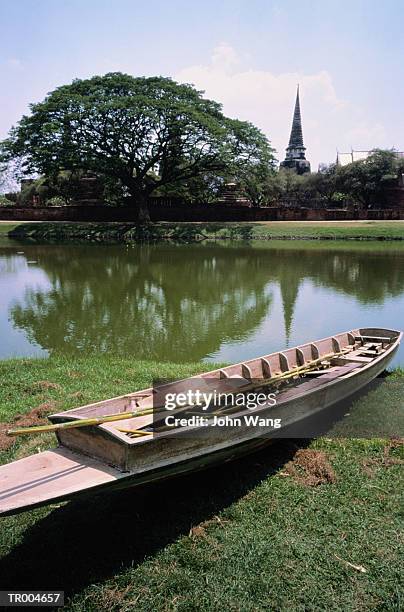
x: 249, y: 55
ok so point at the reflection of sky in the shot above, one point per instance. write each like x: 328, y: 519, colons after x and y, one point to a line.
x: 16, y: 276
x: 318, y: 312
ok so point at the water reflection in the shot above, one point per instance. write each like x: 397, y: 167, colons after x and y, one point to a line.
x: 146, y: 301
x: 183, y: 302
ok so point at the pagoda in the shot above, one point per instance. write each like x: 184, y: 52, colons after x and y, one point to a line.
x: 295, y: 153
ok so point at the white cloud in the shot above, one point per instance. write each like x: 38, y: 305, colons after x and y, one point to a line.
x: 267, y: 100
x: 14, y: 63
x: 224, y: 57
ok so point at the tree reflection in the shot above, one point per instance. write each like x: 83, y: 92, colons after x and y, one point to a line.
x: 164, y: 303
x: 182, y: 302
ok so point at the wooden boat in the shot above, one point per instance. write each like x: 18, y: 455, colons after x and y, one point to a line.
x: 132, y: 448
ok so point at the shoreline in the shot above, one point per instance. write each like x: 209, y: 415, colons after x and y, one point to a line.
x: 127, y: 233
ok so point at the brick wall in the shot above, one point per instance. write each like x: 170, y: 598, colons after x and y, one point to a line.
x: 193, y: 213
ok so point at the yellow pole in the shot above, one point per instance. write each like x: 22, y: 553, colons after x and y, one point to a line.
x: 72, y: 424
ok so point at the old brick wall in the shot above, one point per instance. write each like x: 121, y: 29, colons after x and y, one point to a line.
x: 208, y: 212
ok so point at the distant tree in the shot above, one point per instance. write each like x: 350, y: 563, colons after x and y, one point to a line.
x: 254, y: 163
x: 274, y: 189
x: 363, y: 181
x: 254, y: 180
x: 62, y: 188
x: 323, y: 184
x: 366, y: 180
x: 64, y: 185
x: 285, y: 186
x: 142, y: 133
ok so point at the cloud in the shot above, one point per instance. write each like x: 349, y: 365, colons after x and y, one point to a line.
x: 224, y: 57
x: 267, y: 99
x: 14, y: 63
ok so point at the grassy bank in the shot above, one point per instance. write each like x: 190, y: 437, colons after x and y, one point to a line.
x: 194, y: 232
x: 249, y: 535
x: 5, y: 228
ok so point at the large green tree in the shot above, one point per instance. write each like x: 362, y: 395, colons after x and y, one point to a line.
x: 142, y: 133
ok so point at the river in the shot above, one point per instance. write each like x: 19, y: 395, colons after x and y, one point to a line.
x: 216, y: 301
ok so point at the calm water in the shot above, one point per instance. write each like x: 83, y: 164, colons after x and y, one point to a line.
x: 222, y: 302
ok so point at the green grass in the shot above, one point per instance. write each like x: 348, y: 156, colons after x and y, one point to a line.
x: 194, y: 232
x: 5, y: 228
x: 243, y: 536
x: 332, y: 230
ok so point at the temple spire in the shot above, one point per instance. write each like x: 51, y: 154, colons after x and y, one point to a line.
x: 295, y: 153
x: 296, y: 134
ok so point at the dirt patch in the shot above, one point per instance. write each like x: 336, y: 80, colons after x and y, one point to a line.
x: 42, y: 385
x: 386, y: 460
x: 76, y: 395
x: 75, y: 374
x: 310, y: 468
x: 394, y: 443
x: 201, y: 529
x: 197, y: 532
x: 36, y: 416
x: 114, y: 598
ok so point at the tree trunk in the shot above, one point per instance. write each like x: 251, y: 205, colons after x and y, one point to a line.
x: 140, y: 200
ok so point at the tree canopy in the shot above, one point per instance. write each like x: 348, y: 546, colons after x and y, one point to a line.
x: 365, y: 180
x: 142, y: 132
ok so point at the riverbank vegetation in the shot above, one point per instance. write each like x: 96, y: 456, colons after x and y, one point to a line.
x: 114, y: 233
x: 299, y: 525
